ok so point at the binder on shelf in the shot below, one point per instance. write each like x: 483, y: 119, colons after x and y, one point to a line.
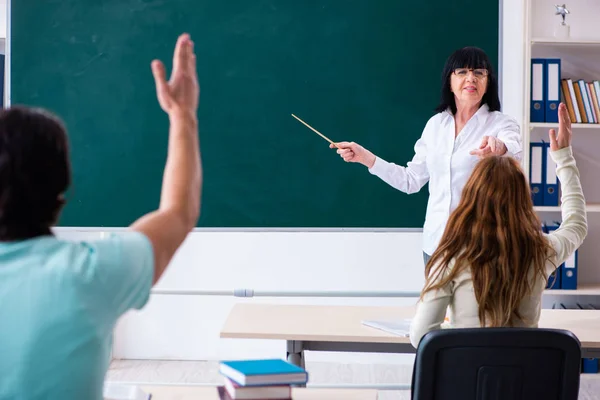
x: 536, y: 175
x: 552, y: 88
x: 538, y: 107
x: 555, y: 278
x: 569, y: 272
x: 551, y: 180
x: 590, y: 366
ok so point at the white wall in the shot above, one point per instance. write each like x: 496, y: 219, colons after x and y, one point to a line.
x: 187, y: 327
x: 582, y: 19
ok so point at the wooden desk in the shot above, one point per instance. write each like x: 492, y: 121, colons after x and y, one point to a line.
x: 210, y: 393
x: 339, y: 328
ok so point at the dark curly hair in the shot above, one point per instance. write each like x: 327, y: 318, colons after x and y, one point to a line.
x: 34, y: 172
x: 468, y: 57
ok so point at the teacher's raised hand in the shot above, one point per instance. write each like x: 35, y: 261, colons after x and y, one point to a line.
x: 490, y: 146
x: 354, y: 152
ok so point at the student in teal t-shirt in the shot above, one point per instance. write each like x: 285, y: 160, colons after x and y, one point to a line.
x: 60, y: 300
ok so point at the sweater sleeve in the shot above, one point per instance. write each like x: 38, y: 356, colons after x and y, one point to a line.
x: 573, y: 229
x: 431, y: 311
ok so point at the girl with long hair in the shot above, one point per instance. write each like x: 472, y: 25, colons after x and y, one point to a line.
x: 493, y: 261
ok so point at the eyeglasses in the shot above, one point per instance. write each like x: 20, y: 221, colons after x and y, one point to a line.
x: 463, y: 72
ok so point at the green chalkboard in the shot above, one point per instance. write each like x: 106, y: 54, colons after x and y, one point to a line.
x: 361, y: 70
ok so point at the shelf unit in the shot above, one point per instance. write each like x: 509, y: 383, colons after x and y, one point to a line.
x: 590, y: 208
x: 548, y: 125
x: 582, y: 290
x: 570, y: 42
x: 580, y: 59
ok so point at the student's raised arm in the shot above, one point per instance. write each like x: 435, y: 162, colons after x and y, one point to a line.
x: 573, y: 229
x: 179, y: 208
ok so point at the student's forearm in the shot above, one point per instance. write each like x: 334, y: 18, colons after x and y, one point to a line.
x: 183, y: 175
x: 573, y: 228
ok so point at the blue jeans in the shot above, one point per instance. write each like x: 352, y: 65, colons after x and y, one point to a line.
x: 426, y: 258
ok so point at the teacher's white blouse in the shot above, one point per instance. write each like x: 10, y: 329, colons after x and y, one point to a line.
x: 446, y: 164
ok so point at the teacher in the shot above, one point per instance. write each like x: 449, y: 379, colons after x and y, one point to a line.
x: 467, y: 126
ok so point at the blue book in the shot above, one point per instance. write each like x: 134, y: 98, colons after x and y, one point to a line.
x: 263, y: 372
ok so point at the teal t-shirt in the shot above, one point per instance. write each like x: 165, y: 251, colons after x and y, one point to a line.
x: 59, y: 302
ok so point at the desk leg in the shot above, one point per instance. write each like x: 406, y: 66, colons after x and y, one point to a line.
x: 295, y: 355
x: 295, y: 352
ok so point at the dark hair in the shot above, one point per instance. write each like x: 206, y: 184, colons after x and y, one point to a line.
x: 468, y: 57
x: 34, y: 172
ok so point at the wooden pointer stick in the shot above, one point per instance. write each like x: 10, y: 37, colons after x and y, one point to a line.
x: 316, y: 131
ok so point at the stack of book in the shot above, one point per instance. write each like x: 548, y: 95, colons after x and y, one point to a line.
x: 269, y: 379
x: 582, y: 100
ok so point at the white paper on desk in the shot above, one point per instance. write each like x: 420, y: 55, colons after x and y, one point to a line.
x: 396, y: 327
x: 120, y: 391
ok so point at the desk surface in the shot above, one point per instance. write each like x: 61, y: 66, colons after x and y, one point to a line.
x: 210, y: 393
x: 343, y: 323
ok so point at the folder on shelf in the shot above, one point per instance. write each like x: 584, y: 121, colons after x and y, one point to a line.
x: 536, y: 176
x: 569, y: 272
x: 555, y: 278
x: 552, y: 89
x: 550, y: 183
x: 538, y: 108
x: 589, y: 366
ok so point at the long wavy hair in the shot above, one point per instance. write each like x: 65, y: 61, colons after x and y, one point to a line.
x: 496, y: 234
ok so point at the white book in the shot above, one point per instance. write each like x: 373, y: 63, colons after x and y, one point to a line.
x: 268, y: 392
x: 120, y: 391
x: 397, y: 327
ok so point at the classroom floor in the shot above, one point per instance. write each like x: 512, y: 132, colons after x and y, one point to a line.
x: 320, y: 373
